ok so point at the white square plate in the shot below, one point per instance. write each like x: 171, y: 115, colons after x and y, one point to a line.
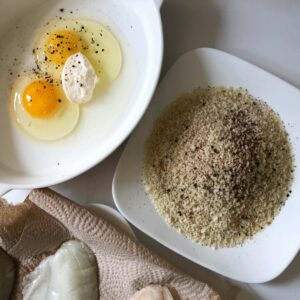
x: 270, y: 251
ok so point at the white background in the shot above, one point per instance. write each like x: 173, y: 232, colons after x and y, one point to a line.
x: 263, y: 32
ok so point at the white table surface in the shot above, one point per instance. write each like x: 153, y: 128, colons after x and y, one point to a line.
x: 264, y: 32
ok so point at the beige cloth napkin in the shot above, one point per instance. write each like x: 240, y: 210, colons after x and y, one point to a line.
x: 35, y: 229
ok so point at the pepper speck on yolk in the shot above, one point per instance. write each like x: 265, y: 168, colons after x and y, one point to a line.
x: 40, y: 99
x: 61, y: 45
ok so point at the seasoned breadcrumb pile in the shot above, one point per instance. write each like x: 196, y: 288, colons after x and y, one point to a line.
x: 218, y: 166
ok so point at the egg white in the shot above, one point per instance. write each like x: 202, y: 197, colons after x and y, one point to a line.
x: 100, y: 46
x: 53, y: 128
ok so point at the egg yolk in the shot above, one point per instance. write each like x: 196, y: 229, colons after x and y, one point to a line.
x: 61, y: 45
x: 40, y: 99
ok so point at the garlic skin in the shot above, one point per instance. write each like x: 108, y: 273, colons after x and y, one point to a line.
x: 153, y: 292
x: 7, y: 275
x: 71, y: 273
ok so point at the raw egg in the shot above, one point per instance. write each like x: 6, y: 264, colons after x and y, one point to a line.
x: 39, y: 106
x: 61, y: 38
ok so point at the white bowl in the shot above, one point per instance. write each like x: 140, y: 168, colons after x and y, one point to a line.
x: 270, y: 251
x: 26, y: 163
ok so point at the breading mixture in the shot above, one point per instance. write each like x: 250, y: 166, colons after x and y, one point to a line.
x: 218, y: 166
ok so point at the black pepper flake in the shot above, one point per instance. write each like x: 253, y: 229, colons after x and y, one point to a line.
x: 62, y: 10
x: 96, y: 52
x: 216, y: 151
x: 102, y: 50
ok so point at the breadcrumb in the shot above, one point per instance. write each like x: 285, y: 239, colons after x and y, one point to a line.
x: 218, y: 166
